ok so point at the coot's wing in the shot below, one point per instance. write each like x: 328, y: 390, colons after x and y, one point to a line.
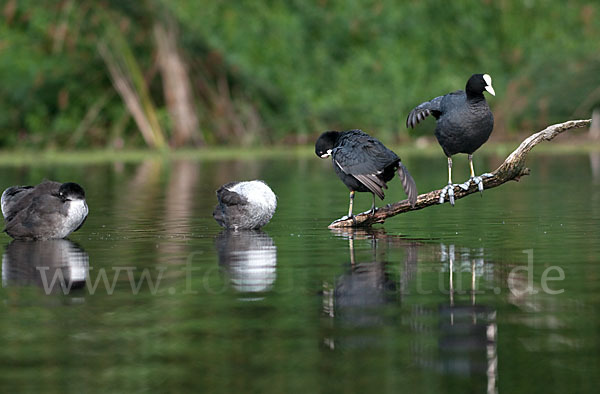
x: 364, y: 158
x: 408, y: 184
x: 227, y: 197
x: 18, y: 198
x: 33, y: 218
x: 12, y: 200
x: 453, y: 101
x: 423, y: 110
x: 43, y: 210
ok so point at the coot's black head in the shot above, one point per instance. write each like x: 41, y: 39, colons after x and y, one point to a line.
x: 326, y: 142
x: 478, y: 83
x: 71, y: 191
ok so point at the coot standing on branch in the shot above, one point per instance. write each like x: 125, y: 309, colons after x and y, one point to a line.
x: 364, y: 164
x: 50, y: 210
x: 464, y: 123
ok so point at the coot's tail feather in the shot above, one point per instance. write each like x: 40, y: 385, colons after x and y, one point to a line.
x: 408, y: 184
x: 373, y: 183
x: 10, y: 198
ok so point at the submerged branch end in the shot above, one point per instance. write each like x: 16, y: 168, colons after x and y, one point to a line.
x: 513, y: 168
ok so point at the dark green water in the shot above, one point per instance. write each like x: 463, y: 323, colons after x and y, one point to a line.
x: 172, y: 303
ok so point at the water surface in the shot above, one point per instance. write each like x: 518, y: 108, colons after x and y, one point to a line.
x: 498, y: 294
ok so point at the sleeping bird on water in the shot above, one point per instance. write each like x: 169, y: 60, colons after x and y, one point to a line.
x: 364, y: 164
x: 464, y: 123
x: 50, y: 210
x: 247, y: 205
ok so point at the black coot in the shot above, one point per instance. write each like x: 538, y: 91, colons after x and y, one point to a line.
x: 464, y: 123
x: 364, y: 164
x: 50, y: 210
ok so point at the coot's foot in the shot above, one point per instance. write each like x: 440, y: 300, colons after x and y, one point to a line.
x: 449, y: 190
x: 344, y: 218
x: 477, y: 180
x: 465, y: 186
x: 370, y: 212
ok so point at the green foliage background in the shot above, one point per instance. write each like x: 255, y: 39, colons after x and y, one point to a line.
x: 284, y: 71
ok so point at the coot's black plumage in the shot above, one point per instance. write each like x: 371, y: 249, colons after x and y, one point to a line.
x: 364, y: 164
x: 50, y: 210
x: 464, y: 123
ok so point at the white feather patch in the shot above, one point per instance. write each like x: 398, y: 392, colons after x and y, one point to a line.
x: 78, y: 210
x: 257, y: 193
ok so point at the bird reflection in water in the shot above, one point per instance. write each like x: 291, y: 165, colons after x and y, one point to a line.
x: 468, y: 330
x: 595, y: 166
x: 249, y: 258
x: 358, y: 298
x: 57, y: 265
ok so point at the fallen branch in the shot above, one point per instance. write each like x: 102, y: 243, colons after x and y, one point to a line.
x: 513, y: 168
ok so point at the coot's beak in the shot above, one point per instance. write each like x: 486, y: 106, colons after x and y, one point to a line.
x: 326, y: 154
x: 488, y: 84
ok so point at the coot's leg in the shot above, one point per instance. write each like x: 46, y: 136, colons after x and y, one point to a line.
x: 350, y: 215
x: 465, y: 186
x: 351, y: 204
x: 449, y: 188
x: 478, y: 180
x: 372, y: 210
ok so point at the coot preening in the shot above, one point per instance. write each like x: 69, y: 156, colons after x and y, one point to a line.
x: 364, y: 164
x: 245, y: 205
x: 464, y: 123
x: 50, y: 210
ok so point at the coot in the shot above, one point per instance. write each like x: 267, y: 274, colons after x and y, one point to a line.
x: 50, y: 210
x: 364, y: 164
x: 245, y: 205
x: 464, y: 123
